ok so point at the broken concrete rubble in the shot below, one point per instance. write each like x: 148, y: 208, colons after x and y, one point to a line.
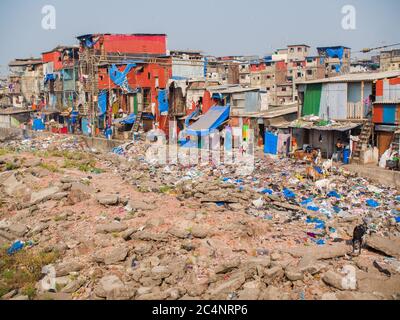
x: 202, y: 232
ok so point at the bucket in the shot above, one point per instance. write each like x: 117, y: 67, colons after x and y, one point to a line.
x: 346, y: 156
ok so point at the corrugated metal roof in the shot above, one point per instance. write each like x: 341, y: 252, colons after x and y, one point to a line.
x: 356, y: 77
x: 266, y: 114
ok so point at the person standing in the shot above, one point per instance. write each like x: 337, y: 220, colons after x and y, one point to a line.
x: 339, y: 150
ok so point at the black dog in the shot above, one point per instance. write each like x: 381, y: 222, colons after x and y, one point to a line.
x: 358, y: 235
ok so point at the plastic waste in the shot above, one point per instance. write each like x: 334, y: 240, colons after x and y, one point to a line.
x: 372, y: 203
x: 289, y: 194
x: 258, y: 203
x: 15, y: 247
x: 334, y: 194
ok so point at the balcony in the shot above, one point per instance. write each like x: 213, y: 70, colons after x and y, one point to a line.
x: 355, y: 111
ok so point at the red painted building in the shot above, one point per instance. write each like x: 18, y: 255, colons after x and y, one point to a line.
x: 135, y: 44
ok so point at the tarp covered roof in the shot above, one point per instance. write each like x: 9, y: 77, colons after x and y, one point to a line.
x: 211, y: 120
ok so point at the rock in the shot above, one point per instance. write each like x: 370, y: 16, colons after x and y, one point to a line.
x: 320, y: 252
x: 264, y: 262
x: 272, y: 293
x: 43, y: 195
x: 200, y: 232
x: 160, y: 272
x: 348, y: 295
x: 276, y: 256
x: 154, y: 222
x: 236, y: 206
x: 144, y: 290
x: 251, y: 290
x: 389, y: 246
x: 142, y: 248
x: 179, y: 232
x: 113, y: 227
x: 310, y: 264
x: 55, y: 296
x: 112, y: 288
x: 108, y: 200
x: 153, y: 296
x: 39, y: 228
x: 224, y: 288
x: 127, y: 234
x: 376, y: 283
x: 9, y: 295
x: 140, y: 206
x: 76, y: 196
x: 329, y: 296
x: 65, y: 268
x: 60, y: 195
x: 227, y: 266
x: 18, y: 229
x: 149, y: 236
x: 293, y: 274
x: 74, y: 285
x: 111, y: 255
x: 20, y: 297
x: 333, y: 279
x: 273, y: 273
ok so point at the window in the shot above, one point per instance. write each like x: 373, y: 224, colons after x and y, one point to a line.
x: 283, y: 89
x: 298, y: 74
x: 148, y: 75
x: 291, y: 50
x: 268, y: 88
x: 309, y: 72
x: 299, y: 49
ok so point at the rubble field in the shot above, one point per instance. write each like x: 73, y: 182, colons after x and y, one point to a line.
x: 79, y: 224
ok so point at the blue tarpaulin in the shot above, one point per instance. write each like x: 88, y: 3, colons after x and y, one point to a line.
x: 195, y: 113
x: 38, y: 125
x: 216, y: 116
x: 49, y: 77
x: 127, y: 120
x: 102, y: 103
x: 205, y: 67
x: 119, y: 77
x: 271, y: 143
x: 162, y: 101
x: 336, y: 53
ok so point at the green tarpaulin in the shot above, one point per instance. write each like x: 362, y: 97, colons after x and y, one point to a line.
x: 312, y: 99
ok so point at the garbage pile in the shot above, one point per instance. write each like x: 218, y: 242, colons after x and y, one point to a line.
x: 53, y: 142
x: 278, y: 190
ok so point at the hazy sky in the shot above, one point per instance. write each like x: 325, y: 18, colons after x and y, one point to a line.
x: 218, y: 27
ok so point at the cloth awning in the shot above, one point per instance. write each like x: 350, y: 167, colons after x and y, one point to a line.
x: 211, y: 120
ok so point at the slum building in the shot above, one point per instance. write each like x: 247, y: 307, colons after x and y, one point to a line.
x: 386, y: 114
x: 336, y: 60
x: 25, y: 82
x: 339, y: 108
x: 127, y: 73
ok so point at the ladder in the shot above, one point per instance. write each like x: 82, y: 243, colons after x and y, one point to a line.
x: 138, y: 120
x: 365, y: 135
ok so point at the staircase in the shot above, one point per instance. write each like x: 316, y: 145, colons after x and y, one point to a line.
x: 136, y: 125
x: 365, y: 135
